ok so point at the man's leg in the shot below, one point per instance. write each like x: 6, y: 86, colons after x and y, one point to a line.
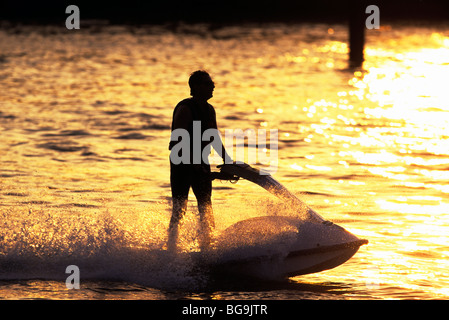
x: 202, y: 188
x: 207, y: 224
x: 180, y: 185
x: 178, y: 211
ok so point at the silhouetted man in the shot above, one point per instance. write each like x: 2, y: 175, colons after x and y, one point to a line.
x: 189, y: 166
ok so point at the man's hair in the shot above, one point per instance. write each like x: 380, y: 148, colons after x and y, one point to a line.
x: 196, y: 78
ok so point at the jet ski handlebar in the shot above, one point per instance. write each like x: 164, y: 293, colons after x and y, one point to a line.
x: 224, y: 176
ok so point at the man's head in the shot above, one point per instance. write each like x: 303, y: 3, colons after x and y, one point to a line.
x: 201, y: 85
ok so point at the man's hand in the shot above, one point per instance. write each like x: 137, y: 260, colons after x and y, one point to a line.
x: 224, y: 176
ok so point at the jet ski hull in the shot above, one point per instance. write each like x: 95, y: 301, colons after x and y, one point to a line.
x: 295, y: 264
x: 319, y: 259
x: 281, y: 246
x: 276, y: 247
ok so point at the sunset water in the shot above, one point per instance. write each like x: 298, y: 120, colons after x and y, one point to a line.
x: 85, y: 121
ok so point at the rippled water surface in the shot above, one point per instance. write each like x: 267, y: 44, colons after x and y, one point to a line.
x: 85, y: 122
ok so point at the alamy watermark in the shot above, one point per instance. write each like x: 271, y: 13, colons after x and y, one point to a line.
x: 73, y: 280
x: 373, y: 20
x: 72, y: 21
x: 372, y: 276
x: 260, y: 150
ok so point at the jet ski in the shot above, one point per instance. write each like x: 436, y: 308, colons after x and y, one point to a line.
x: 275, y: 247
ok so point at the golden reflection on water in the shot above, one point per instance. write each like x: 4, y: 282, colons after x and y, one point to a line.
x: 370, y: 146
x: 402, y: 139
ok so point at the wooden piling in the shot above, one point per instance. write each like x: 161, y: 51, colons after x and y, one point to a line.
x: 356, y: 32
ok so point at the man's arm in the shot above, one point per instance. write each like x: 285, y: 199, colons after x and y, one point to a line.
x: 225, y: 156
